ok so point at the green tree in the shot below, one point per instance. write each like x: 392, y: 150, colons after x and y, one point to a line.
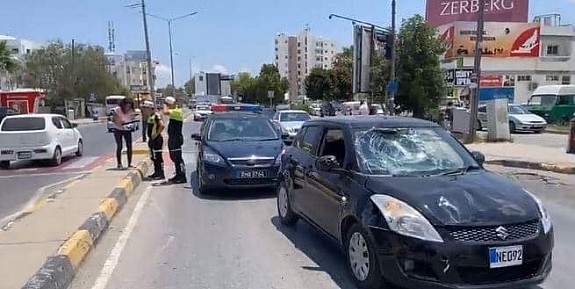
x: 245, y: 86
x: 318, y: 84
x: 7, y: 63
x: 269, y: 79
x: 342, y: 75
x: 380, y: 78
x: 66, y: 74
x: 190, y: 87
x: 420, y: 78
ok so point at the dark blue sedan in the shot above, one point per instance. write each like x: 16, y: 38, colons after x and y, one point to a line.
x: 238, y: 150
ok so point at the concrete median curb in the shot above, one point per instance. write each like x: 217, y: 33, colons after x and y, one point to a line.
x: 59, y: 270
x: 560, y: 169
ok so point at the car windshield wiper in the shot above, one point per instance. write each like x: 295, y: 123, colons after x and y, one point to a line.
x: 460, y: 171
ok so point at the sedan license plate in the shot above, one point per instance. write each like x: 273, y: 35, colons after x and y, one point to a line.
x: 24, y: 155
x: 500, y: 257
x: 257, y: 174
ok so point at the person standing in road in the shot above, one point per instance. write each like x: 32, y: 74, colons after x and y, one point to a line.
x: 363, y: 108
x: 146, y: 113
x: 175, y: 139
x: 155, y: 139
x: 124, y: 116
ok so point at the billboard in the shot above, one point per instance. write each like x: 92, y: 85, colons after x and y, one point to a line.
x: 213, y: 84
x: 464, y: 76
x: 499, y: 39
x: 440, y: 12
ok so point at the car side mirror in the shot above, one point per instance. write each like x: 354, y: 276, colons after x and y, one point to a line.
x: 327, y: 163
x: 74, y: 125
x: 196, y: 137
x: 479, y: 157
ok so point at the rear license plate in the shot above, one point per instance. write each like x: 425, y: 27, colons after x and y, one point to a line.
x: 24, y: 155
x: 500, y: 257
x: 255, y: 174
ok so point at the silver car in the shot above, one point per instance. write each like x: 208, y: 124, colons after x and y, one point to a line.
x: 520, y: 119
x: 291, y: 121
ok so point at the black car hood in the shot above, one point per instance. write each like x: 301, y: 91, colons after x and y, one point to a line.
x: 244, y: 149
x: 475, y: 199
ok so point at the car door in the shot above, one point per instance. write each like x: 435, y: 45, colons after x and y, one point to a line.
x: 325, y: 190
x: 60, y: 132
x: 302, y: 159
x: 69, y: 135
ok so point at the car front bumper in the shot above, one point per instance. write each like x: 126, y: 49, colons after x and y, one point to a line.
x: 27, y: 153
x: 530, y: 127
x: 228, y: 177
x: 414, y: 263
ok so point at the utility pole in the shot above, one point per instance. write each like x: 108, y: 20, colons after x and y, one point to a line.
x: 171, y: 58
x: 372, y: 63
x: 474, y: 97
x: 74, y: 78
x: 391, y: 100
x: 148, y: 54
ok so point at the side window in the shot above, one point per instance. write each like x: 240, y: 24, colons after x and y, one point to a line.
x: 66, y: 123
x: 309, y: 141
x: 57, y: 123
x: 333, y: 144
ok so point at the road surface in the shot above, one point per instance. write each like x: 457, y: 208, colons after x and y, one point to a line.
x: 551, y: 140
x: 170, y: 237
x: 20, y: 184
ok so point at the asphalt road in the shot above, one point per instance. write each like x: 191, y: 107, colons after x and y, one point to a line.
x: 169, y: 237
x: 21, y: 184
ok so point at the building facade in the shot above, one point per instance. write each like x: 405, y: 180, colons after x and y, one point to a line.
x: 297, y: 55
x: 211, y: 87
x: 131, y: 70
x: 19, y: 49
x: 553, y: 62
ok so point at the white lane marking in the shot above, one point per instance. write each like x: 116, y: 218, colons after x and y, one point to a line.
x: 114, y: 257
x: 42, y: 174
x: 80, y: 163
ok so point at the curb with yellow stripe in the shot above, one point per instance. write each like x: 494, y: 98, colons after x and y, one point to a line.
x: 58, y: 270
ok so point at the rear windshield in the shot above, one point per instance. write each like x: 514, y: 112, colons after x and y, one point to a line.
x: 23, y: 124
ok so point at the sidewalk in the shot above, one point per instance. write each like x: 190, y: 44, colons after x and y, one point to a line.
x: 526, y: 156
x: 65, y: 229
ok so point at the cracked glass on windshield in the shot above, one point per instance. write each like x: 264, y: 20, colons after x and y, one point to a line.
x: 405, y: 151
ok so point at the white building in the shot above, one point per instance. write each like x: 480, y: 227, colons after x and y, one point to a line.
x: 297, y: 55
x: 212, y: 86
x: 131, y: 69
x: 555, y: 64
x: 19, y: 48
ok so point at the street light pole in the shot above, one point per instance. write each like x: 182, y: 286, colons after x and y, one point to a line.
x: 474, y: 97
x: 148, y: 54
x: 171, y: 58
x: 391, y: 100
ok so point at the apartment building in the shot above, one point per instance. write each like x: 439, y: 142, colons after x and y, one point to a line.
x: 131, y: 69
x: 18, y: 48
x: 297, y: 55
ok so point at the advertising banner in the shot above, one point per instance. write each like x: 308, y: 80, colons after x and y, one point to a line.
x: 464, y: 77
x: 491, y: 80
x: 499, y: 39
x: 440, y: 12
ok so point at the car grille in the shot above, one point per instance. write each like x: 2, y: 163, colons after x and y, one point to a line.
x: 480, y: 276
x: 489, y: 234
x: 249, y: 182
x: 251, y: 163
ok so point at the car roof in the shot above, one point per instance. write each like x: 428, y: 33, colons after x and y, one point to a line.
x: 236, y: 114
x: 41, y: 115
x: 292, y: 111
x: 368, y: 121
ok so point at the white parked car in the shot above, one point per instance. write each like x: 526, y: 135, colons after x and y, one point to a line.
x: 38, y: 137
x: 202, y: 112
x: 291, y: 121
x: 520, y: 119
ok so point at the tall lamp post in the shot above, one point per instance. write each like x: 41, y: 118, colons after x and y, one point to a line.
x: 169, y: 22
x: 393, y: 90
x: 474, y: 96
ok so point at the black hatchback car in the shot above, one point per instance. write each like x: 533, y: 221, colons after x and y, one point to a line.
x: 412, y: 207
x: 238, y: 150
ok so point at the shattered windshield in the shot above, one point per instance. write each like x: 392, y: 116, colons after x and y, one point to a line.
x: 405, y: 151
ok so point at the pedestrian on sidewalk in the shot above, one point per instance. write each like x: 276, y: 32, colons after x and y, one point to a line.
x: 175, y: 139
x: 124, y: 118
x: 155, y: 140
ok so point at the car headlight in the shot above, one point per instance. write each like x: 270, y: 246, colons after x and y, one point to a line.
x: 212, y: 157
x: 545, y: 217
x: 403, y: 219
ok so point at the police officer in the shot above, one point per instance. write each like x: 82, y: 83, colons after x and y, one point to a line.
x: 175, y: 139
x: 155, y: 139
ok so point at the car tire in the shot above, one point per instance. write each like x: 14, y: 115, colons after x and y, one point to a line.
x: 57, y: 157
x: 4, y: 165
x: 512, y: 127
x: 362, y: 260
x: 285, y: 212
x: 80, y: 150
x: 202, y: 190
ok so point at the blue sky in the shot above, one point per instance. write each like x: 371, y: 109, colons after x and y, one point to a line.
x: 229, y: 35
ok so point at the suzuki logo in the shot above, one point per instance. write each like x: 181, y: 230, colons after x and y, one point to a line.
x: 502, y: 233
